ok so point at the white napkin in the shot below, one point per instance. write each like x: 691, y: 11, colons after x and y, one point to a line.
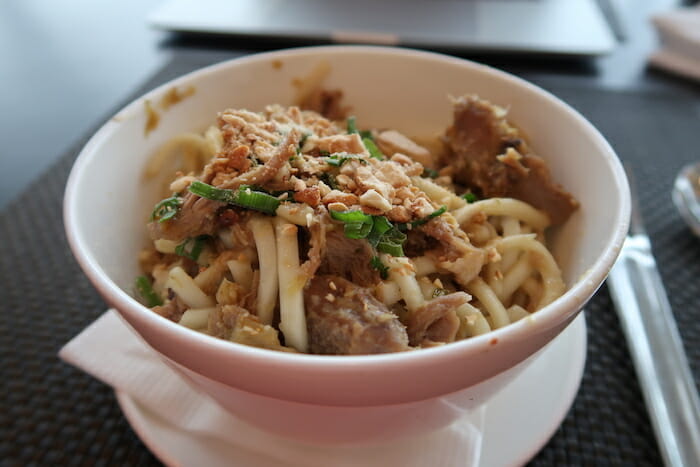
x: 679, y: 33
x: 112, y: 352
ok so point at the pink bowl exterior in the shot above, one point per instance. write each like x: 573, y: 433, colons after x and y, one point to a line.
x: 354, y: 381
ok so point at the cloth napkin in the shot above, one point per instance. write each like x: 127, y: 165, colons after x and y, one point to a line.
x: 112, y: 352
x: 679, y: 34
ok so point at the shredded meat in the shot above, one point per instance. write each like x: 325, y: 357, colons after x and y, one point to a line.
x: 343, y: 318
x: 267, y: 171
x: 349, y: 258
x: 454, y: 253
x: 317, y: 247
x: 172, y: 310
x: 436, y: 321
x: 477, y: 137
x: 197, y: 216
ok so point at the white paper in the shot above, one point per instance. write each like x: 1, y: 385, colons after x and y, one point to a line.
x: 112, y: 352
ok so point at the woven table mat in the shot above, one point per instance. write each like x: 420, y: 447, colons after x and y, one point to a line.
x: 53, y: 414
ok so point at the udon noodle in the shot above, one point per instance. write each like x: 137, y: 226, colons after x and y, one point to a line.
x: 285, y: 230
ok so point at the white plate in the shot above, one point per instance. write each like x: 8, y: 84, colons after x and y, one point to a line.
x: 519, y: 420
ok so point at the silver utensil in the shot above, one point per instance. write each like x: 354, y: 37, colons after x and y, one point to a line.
x: 645, y: 314
x: 686, y: 195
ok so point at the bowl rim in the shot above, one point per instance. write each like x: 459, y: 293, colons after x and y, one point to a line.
x: 560, y: 310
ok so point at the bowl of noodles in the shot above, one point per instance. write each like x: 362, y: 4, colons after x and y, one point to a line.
x: 324, y: 238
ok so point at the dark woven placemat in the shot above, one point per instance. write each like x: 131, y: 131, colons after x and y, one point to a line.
x: 52, y: 414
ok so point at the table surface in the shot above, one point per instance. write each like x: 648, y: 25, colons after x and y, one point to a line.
x: 62, y: 81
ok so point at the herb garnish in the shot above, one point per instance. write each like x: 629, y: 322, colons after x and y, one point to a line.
x: 433, y: 214
x: 166, y: 209
x: 144, y: 288
x: 337, y: 160
x: 377, y: 230
x: 377, y: 264
x: 192, y: 247
x: 243, y: 197
x: 470, y: 197
x: 430, y: 173
x: 352, y: 127
x: 373, y: 149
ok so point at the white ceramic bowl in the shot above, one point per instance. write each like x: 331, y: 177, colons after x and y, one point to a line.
x: 350, y: 398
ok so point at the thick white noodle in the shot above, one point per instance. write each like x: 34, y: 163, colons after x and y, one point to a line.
x: 515, y: 277
x: 299, y: 214
x: 242, y: 271
x: 402, y: 271
x: 438, y: 194
x: 503, y: 207
x: 186, y: 288
x: 541, y: 258
x: 497, y: 315
x: 165, y: 246
x: 424, y: 265
x: 264, y: 236
x: 214, y: 138
x: 511, y: 226
x: 292, y: 282
x: 472, y: 321
x: 516, y: 313
x: 388, y: 292
x: 196, y: 318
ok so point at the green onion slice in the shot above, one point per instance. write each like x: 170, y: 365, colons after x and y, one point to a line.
x: 430, y: 173
x: 470, y: 197
x: 373, y: 149
x: 244, y: 197
x: 381, y: 234
x: 433, y: 214
x: 166, y: 209
x: 352, y: 126
x: 392, y: 242
x: 192, y: 247
x: 337, y: 160
x: 377, y: 264
x: 357, y: 224
x: 439, y: 292
x: 144, y: 288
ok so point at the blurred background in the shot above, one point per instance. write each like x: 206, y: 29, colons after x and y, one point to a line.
x: 67, y: 65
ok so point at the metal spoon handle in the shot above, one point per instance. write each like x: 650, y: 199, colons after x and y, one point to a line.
x: 657, y: 352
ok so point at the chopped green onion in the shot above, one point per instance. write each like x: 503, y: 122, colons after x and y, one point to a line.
x: 430, y: 173
x: 357, y: 224
x: 379, y: 232
x: 439, y: 292
x: 377, y: 264
x: 392, y: 242
x: 470, y: 197
x: 191, y: 248
x: 336, y: 161
x: 380, y: 226
x: 373, y: 149
x: 329, y: 179
x: 366, y: 134
x: 166, y: 209
x: 433, y: 214
x: 144, y: 288
x: 352, y: 127
x: 244, y: 197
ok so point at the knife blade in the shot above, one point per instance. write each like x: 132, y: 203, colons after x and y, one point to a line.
x: 647, y: 320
